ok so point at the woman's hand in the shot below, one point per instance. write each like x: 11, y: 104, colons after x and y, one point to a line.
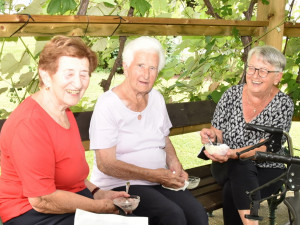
x: 207, y: 133
x: 231, y: 154
x: 171, y: 179
x: 107, y: 206
x: 102, y: 194
x: 176, y: 167
x: 216, y: 157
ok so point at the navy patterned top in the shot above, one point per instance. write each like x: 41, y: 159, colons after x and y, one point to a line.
x: 229, y: 118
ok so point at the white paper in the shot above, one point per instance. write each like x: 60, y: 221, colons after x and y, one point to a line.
x: 83, y: 218
x: 186, y: 183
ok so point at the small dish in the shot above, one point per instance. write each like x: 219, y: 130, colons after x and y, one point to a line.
x: 193, y: 182
x: 220, y: 149
x: 127, y: 204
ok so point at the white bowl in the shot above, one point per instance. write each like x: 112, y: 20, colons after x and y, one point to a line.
x: 220, y: 149
x: 193, y: 182
x: 127, y: 204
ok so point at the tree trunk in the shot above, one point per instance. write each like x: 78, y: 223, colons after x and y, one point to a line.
x: 105, y: 84
x: 83, y: 7
x: 245, y: 39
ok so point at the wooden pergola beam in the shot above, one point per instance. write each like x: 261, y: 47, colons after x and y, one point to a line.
x: 45, y: 25
x: 97, y: 26
x: 103, y: 26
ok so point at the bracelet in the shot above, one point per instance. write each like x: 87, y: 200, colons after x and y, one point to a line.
x: 95, y: 190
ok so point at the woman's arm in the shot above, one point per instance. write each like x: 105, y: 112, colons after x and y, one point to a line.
x: 60, y: 202
x: 104, y: 194
x: 173, y: 162
x: 108, y: 164
x: 215, y: 134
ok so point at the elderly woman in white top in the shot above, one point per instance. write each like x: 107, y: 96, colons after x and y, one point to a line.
x: 129, y: 133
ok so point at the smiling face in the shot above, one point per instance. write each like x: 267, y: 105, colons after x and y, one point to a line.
x: 70, y: 81
x: 142, y: 72
x: 255, y: 83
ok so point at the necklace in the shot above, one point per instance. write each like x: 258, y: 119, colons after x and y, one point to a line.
x: 263, y: 102
x: 140, y: 116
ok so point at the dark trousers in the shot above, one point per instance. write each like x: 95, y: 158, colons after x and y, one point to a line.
x: 245, y: 176
x: 166, y: 207
x: 33, y: 217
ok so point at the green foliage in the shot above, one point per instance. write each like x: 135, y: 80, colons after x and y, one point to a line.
x: 18, y: 77
x: 197, y: 67
x: 289, y: 81
x: 207, y: 67
x: 266, y: 2
x: 60, y: 6
x: 85, y: 104
x: 2, y: 6
x: 292, y: 89
x: 236, y: 34
x: 141, y: 6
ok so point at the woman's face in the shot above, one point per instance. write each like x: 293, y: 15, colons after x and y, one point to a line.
x: 257, y: 83
x: 70, y: 81
x: 142, y: 72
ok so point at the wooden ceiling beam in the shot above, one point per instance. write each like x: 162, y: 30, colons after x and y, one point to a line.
x: 291, y: 29
x: 46, y: 25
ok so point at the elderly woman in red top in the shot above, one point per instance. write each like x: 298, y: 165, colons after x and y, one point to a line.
x: 43, y: 166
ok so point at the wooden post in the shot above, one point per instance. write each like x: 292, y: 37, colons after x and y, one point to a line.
x: 274, y: 13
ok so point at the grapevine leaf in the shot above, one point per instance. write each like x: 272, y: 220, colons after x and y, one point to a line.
x: 60, y: 6
x: 100, y: 45
x: 34, y: 8
x: 25, y: 79
x: 2, y: 90
x: 9, y: 65
x: 142, y: 6
x: 236, y: 34
x: 265, y: 2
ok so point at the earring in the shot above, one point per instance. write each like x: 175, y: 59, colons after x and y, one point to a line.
x: 47, y: 88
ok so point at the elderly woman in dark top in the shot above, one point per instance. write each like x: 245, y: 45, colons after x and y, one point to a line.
x: 259, y: 101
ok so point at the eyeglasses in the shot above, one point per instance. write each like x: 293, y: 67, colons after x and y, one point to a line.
x: 251, y: 70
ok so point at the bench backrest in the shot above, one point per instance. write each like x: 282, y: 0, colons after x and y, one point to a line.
x: 185, y: 117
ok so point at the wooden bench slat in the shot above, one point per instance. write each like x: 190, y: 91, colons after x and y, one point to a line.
x: 212, y: 201
x: 206, y: 189
x: 208, y: 192
x: 200, y: 171
x: 207, y: 181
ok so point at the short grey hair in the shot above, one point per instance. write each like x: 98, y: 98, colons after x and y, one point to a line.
x: 269, y: 54
x: 144, y: 43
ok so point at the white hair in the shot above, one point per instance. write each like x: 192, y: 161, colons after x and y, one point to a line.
x: 144, y: 43
x: 270, y: 55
